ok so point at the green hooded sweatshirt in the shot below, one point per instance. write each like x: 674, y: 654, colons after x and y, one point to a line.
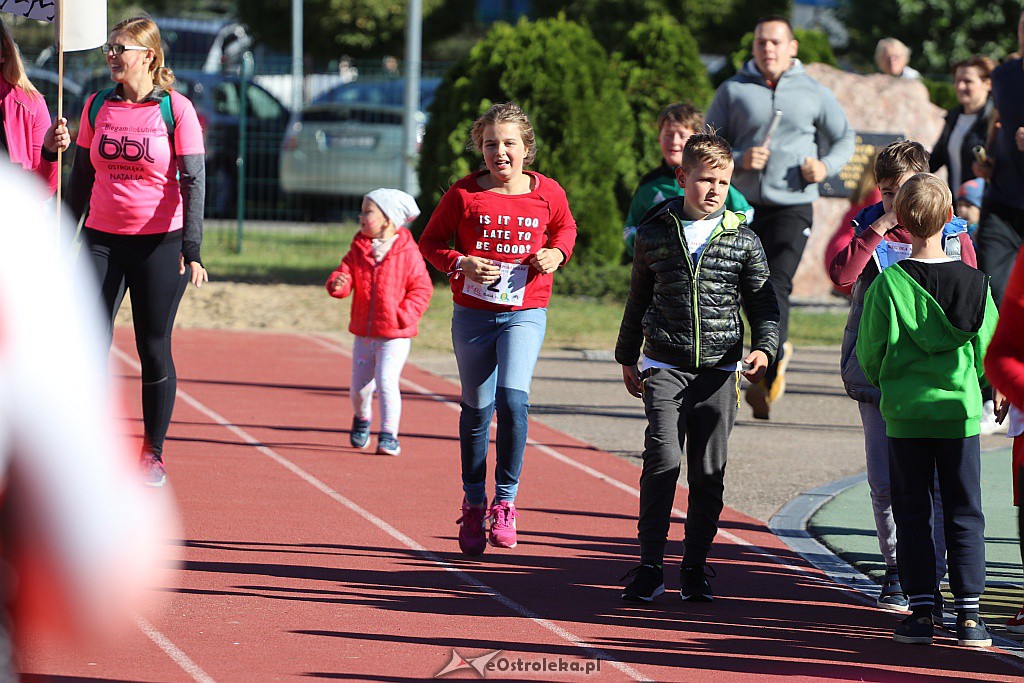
x: 927, y: 368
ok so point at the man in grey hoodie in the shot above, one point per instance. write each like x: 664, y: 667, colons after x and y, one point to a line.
x: 780, y: 159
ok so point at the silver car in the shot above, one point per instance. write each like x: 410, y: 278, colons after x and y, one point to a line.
x: 349, y: 141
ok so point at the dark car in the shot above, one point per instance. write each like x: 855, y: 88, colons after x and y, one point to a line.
x: 217, y: 99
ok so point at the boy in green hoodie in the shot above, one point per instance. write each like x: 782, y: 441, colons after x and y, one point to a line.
x: 926, y: 324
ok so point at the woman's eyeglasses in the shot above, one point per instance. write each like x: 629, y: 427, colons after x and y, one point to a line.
x: 119, y: 49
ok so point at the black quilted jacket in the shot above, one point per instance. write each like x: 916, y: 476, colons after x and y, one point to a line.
x: 686, y: 314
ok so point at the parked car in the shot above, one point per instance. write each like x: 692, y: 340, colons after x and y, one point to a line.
x: 217, y: 99
x: 349, y: 141
x: 210, y: 45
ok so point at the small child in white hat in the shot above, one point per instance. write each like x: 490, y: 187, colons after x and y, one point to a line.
x: 391, y: 289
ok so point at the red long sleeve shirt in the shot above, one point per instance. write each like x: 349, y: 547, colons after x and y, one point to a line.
x: 471, y: 221
x: 1004, y: 362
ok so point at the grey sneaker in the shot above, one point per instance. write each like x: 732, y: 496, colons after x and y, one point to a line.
x: 387, y: 444
x: 360, y: 434
x: 892, y: 596
x: 153, y: 472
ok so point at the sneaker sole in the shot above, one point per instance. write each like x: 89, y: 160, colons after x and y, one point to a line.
x: 697, y: 598
x: 913, y: 640
x: 890, y: 607
x: 157, y: 484
x: 780, y: 374
x: 472, y: 552
x: 357, y: 446
x: 494, y: 544
x: 640, y: 598
x: 385, y: 451
x: 974, y: 643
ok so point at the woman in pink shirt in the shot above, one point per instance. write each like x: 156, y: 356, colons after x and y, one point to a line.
x: 140, y: 167
x: 499, y: 233
x: 26, y: 134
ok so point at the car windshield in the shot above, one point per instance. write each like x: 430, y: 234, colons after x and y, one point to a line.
x: 389, y: 93
x: 188, y: 47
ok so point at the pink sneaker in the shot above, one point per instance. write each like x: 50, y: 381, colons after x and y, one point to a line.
x: 472, y: 529
x: 1016, y: 624
x: 503, y: 524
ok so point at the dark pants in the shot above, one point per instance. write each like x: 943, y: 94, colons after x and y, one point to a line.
x: 700, y: 409
x: 783, y: 231
x: 958, y: 462
x: 999, y: 237
x: 147, y: 267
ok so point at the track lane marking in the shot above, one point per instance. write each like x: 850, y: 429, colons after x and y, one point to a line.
x: 390, y: 530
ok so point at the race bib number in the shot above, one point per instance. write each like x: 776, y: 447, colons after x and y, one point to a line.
x: 889, y: 253
x: 507, y: 290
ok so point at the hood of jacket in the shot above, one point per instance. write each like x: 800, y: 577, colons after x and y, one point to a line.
x: 750, y: 73
x: 924, y: 320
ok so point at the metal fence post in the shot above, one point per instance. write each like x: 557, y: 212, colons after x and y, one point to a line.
x: 243, y: 125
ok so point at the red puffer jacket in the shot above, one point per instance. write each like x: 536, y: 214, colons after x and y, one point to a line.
x: 390, y: 296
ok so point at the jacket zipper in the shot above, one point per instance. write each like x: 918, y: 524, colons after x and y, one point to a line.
x: 695, y: 278
x: 373, y: 297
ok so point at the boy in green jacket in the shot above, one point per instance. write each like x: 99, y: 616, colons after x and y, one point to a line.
x: 926, y: 324
x: 676, y: 123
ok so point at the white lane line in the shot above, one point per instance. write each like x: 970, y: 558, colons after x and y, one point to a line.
x: 179, y: 657
x: 394, y: 533
x: 811, y: 573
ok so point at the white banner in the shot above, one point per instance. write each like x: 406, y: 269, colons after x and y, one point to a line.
x: 85, y: 20
x: 85, y: 24
x: 43, y: 10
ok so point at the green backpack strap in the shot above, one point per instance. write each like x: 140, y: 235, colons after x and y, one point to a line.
x: 97, y: 103
x: 168, y: 115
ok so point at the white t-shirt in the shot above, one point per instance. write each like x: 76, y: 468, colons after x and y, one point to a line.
x: 956, y: 141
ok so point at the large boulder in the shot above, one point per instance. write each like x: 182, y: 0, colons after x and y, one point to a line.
x: 875, y: 104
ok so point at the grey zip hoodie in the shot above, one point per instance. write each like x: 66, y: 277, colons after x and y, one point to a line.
x: 812, y: 125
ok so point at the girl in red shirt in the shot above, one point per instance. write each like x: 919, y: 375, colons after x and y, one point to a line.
x: 391, y: 290
x: 499, y: 233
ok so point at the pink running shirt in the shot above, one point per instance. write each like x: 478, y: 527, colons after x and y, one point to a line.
x: 136, y: 190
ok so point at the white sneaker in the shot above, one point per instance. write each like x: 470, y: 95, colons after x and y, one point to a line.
x: 988, y: 419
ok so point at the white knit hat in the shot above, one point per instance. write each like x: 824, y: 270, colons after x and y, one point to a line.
x: 398, y: 206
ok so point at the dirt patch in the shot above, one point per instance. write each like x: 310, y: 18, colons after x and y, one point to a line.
x: 233, y: 305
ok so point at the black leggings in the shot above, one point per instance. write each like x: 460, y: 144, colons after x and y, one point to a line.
x: 147, y: 266
x: 783, y: 231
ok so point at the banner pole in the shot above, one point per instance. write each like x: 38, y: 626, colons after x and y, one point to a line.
x: 60, y: 106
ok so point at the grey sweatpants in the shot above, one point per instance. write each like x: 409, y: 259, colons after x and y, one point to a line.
x: 697, y: 409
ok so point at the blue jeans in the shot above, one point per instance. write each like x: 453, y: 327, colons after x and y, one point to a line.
x: 496, y: 353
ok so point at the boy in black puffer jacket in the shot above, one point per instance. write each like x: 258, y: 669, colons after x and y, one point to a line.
x: 693, y: 263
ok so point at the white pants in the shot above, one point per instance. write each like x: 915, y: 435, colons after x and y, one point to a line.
x: 377, y: 365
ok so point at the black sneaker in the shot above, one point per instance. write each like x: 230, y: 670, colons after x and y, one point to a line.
x: 647, y: 583
x: 938, y: 609
x: 972, y: 633
x: 360, y: 434
x: 693, y: 583
x: 892, y: 596
x: 914, y: 631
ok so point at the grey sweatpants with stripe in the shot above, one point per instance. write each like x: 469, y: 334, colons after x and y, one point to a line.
x: 696, y: 410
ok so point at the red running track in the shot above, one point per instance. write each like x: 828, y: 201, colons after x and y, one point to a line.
x: 305, y: 559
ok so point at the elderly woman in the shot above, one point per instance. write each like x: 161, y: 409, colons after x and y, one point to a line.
x: 967, y: 124
x: 893, y: 57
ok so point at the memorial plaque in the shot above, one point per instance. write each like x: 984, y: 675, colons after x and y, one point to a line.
x: 866, y: 146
